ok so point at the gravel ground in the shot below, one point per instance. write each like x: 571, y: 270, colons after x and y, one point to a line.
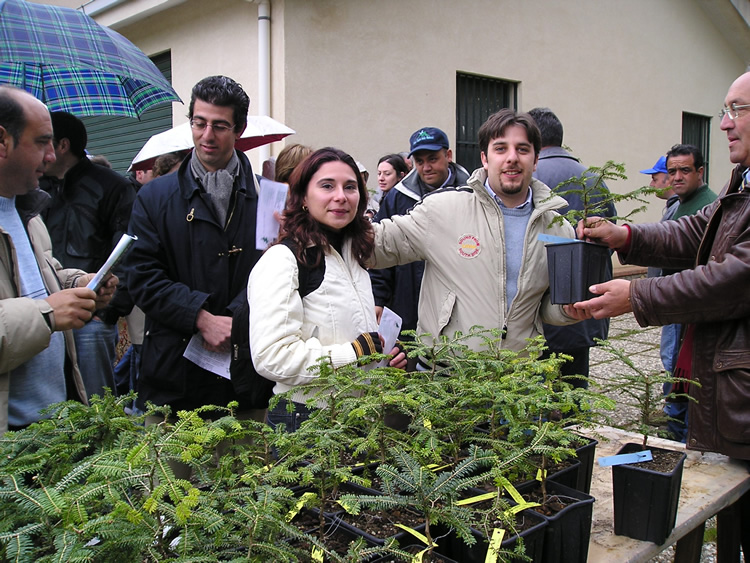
x: 642, y: 347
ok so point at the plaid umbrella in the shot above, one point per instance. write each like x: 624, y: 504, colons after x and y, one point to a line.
x: 73, y: 64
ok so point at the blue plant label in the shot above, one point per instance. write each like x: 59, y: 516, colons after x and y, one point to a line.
x: 622, y: 459
x: 554, y: 240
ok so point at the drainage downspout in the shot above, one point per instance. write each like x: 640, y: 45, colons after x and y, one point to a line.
x: 264, y: 67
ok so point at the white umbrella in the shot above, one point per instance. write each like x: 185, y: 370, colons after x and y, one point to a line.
x: 260, y: 130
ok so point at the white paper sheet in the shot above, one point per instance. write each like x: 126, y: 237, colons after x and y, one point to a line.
x: 272, y: 198
x: 114, y: 259
x: 389, y: 328
x: 215, y: 362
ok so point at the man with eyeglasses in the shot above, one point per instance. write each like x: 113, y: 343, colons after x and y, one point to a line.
x: 710, y: 295
x: 196, y: 245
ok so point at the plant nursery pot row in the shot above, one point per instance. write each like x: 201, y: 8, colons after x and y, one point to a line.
x: 645, y: 500
x: 559, y: 535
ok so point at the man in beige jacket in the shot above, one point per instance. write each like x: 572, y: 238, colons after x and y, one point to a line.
x: 39, y: 300
x: 484, y: 262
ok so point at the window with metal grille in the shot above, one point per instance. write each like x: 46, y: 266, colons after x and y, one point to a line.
x: 478, y: 97
x: 696, y: 131
x: 120, y: 138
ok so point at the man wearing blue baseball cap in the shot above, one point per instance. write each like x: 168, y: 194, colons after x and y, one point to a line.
x: 660, y: 180
x: 670, y: 334
x: 398, y: 287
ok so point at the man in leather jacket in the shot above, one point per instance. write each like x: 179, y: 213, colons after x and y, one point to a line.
x: 709, y: 295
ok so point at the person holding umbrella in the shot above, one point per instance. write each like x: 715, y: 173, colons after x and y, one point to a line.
x: 39, y: 300
x: 196, y: 246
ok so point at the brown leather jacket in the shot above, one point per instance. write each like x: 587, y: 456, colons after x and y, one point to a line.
x: 714, y: 294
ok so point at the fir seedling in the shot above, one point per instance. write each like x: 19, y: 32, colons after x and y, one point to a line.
x: 596, y: 199
x: 641, y: 389
x: 324, y: 439
x: 409, y: 484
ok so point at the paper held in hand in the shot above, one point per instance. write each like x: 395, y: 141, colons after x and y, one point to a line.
x: 272, y: 198
x: 390, y: 328
x: 104, y: 272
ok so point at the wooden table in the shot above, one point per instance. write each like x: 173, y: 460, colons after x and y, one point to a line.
x: 710, y: 482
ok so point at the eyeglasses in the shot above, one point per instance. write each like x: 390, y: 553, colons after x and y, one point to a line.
x: 218, y: 128
x: 732, y: 111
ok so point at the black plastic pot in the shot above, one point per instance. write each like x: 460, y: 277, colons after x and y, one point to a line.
x: 533, y: 540
x: 567, y: 476
x: 645, y: 500
x: 573, y: 267
x: 586, y: 455
x: 437, y: 556
x: 566, y: 537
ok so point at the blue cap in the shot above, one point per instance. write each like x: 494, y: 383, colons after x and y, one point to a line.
x: 428, y: 139
x: 660, y: 166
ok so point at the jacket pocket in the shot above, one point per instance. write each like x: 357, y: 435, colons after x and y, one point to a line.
x: 162, y: 364
x: 732, y: 396
x: 445, y: 313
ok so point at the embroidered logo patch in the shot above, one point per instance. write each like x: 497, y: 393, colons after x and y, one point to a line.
x: 468, y: 246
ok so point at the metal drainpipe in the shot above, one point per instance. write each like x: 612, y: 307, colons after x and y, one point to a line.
x: 264, y: 67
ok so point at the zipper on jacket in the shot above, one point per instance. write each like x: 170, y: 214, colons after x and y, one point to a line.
x: 234, y: 206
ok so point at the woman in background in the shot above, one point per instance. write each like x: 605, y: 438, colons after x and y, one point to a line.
x: 391, y: 170
x: 288, y: 159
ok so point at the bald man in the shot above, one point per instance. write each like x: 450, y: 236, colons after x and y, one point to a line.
x: 39, y: 300
x: 712, y: 298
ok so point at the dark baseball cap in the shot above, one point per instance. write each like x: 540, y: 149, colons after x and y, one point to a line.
x: 428, y: 139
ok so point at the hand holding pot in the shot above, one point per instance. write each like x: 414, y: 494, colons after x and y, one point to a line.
x: 598, y: 229
x: 613, y: 301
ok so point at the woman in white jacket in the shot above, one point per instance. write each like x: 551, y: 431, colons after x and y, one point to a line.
x: 325, y: 223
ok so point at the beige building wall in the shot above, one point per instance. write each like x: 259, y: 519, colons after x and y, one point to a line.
x: 363, y: 75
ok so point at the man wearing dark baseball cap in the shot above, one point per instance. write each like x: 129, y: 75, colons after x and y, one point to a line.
x: 429, y: 139
x: 398, y: 287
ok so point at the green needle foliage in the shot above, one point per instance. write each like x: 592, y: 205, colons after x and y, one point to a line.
x: 409, y: 484
x: 93, y: 484
x: 591, y: 187
x: 642, y: 390
x: 90, y: 483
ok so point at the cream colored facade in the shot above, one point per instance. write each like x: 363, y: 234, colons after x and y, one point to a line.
x: 363, y: 75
